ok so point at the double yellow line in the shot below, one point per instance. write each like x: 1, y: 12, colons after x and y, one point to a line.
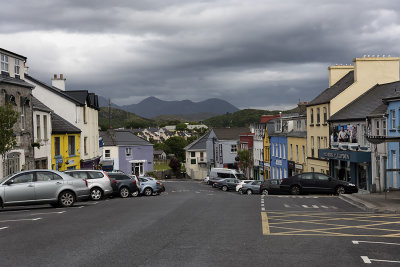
x: 265, y: 224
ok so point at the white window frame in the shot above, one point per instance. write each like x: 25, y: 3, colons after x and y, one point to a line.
x: 107, y: 153
x: 234, y: 148
x: 4, y: 63
x: 283, y: 151
x: 38, y: 130
x: 45, y: 135
x: 128, y: 151
x: 393, y: 115
x: 22, y: 114
x: 16, y: 66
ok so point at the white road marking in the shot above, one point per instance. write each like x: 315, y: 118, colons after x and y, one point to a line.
x: 305, y: 206
x: 286, y: 205
x: 80, y: 207
x: 357, y: 242
x: 57, y: 212
x: 365, y: 259
x: 263, y: 209
x: 5, y: 227
x: 18, y: 220
x: 325, y: 207
x: 197, y: 192
x: 315, y: 206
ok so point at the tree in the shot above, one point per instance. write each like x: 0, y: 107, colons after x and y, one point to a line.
x: 175, y: 145
x: 8, y: 117
x: 181, y: 126
x: 244, y: 161
x: 175, y: 165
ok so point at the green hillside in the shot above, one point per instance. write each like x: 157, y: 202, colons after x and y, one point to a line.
x: 121, y: 118
x: 242, y: 118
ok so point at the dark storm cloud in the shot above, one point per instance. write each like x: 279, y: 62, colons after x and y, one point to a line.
x: 251, y: 53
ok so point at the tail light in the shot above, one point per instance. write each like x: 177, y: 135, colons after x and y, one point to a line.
x: 114, y: 181
x: 85, y: 182
x: 157, y: 182
x: 134, y: 181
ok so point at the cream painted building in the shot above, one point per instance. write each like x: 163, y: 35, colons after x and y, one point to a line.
x: 346, y: 83
x: 196, y: 158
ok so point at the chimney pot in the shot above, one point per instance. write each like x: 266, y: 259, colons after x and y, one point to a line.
x: 61, y: 76
x: 55, y: 76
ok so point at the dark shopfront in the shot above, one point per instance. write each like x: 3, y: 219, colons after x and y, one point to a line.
x: 351, y: 166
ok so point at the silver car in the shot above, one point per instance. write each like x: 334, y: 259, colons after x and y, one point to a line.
x: 42, y: 187
x: 98, y: 181
x: 149, y: 185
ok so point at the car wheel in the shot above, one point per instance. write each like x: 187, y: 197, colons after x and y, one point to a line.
x: 124, y: 192
x: 240, y: 191
x: 340, y: 190
x: 265, y: 192
x: 66, y: 199
x: 249, y: 192
x: 148, y: 191
x: 96, y: 193
x: 295, y: 190
x: 224, y: 188
x: 135, y: 194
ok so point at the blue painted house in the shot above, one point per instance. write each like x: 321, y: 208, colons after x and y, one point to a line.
x: 127, y: 152
x: 278, y: 148
x: 393, y: 130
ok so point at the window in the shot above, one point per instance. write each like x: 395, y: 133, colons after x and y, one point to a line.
x: 45, y: 136
x: 325, y: 142
x: 128, y: 151
x: 22, y: 113
x: 84, y: 114
x: 137, y: 169
x: 283, y: 151
x: 319, y: 142
x: 107, y: 153
x: 233, y: 148
x: 325, y: 115
x: 85, y: 145
x: 393, y: 115
x: 47, y: 176
x: 202, y: 156
x: 16, y: 67
x: 23, y: 178
x: 284, y: 173
x: 312, y: 146
x: 291, y: 152
x: 193, y: 161
x: 297, y: 153
x: 312, y: 116
x: 56, y: 146
x: 71, y: 145
x: 321, y: 177
x: 306, y: 176
x: 193, y: 154
x: 304, y: 154
x: 12, y: 165
x: 272, y: 150
x: 298, y: 124
x: 384, y: 127
x: 38, y: 134
x: 318, y: 115
x: 377, y: 127
x: 4, y: 63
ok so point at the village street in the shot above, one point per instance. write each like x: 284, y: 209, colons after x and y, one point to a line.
x: 192, y: 224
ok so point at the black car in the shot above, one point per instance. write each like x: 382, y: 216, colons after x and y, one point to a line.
x: 227, y: 184
x: 122, y: 184
x: 312, y: 182
x: 272, y: 186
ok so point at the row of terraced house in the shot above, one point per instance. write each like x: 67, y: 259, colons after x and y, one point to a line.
x: 58, y: 128
x: 351, y: 131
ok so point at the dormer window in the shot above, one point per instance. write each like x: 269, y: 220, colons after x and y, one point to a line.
x: 16, y: 67
x: 4, y: 63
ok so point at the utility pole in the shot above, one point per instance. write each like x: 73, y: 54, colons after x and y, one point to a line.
x: 109, y: 113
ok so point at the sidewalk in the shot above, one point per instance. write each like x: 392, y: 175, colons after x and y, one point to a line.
x: 375, y: 202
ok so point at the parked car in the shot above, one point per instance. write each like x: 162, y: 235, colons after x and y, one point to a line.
x: 242, y: 182
x: 42, y: 187
x: 251, y: 188
x: 270, y: 187
x: 316, y: 183
x: 227, y: 184
x: 123, y: 185
x: 217, y: 174
x: 98, y: 181
x: 149, y: 185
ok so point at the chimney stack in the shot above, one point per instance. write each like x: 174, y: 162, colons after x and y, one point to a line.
x: 58, y: 82
x: 338, y: 72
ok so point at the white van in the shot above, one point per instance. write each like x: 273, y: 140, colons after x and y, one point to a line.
x: 222, y: 173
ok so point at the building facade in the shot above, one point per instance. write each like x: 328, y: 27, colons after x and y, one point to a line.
x: 196, y: 158
x: 42, y: 131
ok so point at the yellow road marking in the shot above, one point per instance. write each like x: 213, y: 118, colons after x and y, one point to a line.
x: 265, y: 225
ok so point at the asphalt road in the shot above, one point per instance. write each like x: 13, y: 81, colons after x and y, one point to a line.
x: 192, y: 224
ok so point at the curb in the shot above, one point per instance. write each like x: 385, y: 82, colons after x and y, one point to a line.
x: 364, y: 205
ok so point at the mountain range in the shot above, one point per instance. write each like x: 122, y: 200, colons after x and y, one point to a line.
x: 152, y: 107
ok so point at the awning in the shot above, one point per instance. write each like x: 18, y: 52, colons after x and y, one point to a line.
x: 107, y: 162
x: 138, y: 161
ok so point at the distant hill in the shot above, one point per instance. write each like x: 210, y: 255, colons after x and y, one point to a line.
x: 185, y: 117
x: 121, y: 118
x: 242, y: 118
x: 152, y: 107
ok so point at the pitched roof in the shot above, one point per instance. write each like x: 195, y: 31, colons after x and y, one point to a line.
x: 5, y: 78
x: 362, y: 106
x: 62, y: 126
x: 302, y: 134
x: 12, y: 53
x: 37, y: 105
x: 158, y: 152
x: 229, y: 133
x: 199, y: 144
x: 379, y: 111
x: 122, y: 138
x: 331, y: 92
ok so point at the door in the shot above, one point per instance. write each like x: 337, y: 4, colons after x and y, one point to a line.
x: 47, y: 185
x: 307, y: 182
x: 323, y: 183
x: 21, y: 189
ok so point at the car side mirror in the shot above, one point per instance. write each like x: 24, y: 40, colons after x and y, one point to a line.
x: 10, y: 182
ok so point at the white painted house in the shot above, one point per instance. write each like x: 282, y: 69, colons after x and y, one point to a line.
x: 42, y: 134
x: 78, y: 107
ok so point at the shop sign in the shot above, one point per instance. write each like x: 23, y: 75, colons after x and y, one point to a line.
x: 59, y: 160
x: 298, y: 166
x: 278, y: 162
x: 336, y: 155
x: 266, y: 164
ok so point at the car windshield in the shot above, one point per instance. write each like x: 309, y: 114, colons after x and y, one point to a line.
x: 241, y: 176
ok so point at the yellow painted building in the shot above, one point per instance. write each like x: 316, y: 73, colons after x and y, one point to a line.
x: 65, y: 148
x: 267, y: 154
x: 297, y: 149
x: 346, y: 83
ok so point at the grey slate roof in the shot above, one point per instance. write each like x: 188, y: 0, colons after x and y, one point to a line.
x: 122, y: 138
x: 199, y: 144
x: 84, y: 96
x: 379, y: 111
x: 37, y: 105
x: 362, y: 106
x: 229, y: 133
x: 301, y: 134
x: 331, y: 92
x: 5, y: 78
x: 62, y: 126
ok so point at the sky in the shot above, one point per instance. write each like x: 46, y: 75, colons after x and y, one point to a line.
x: 267, y: 54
